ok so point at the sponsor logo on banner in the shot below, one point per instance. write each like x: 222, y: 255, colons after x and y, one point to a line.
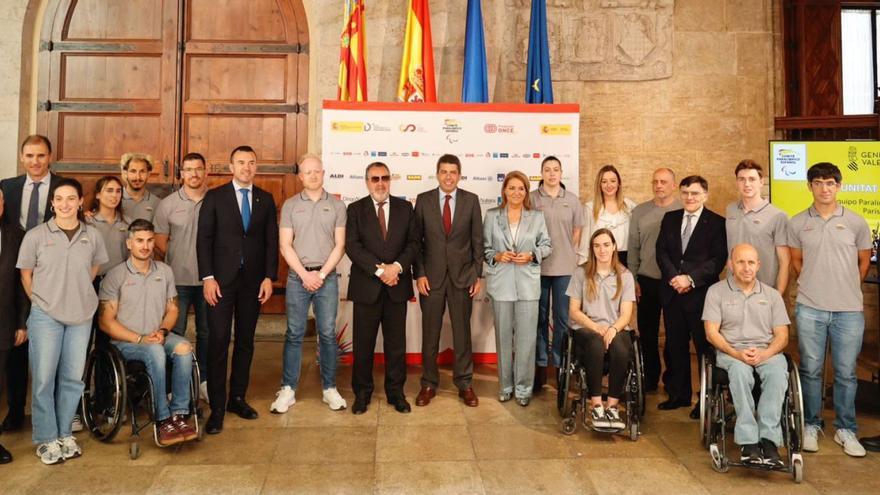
x: 451, y: 126
x: 346, y: 153
x: 498, y: 129
x: 487, y: 201
x: 503, y: 155
x: 534, y: 178
x: 432, y: 177
x: 463, y: 177
x: 790, y: 161
x: 355, y: 176
x: 409, y: 127
x: 349, y: 199
x: 413, y: 177
x: 374, y: 127
x: 856, y: 158
x: 337, y: 176
x: 395, y: 176
x: 343, y: 126
x: 556, y: 129
x: 415, y: 153
x: 337, y: 196
x: 500, y: 177
x: 536, y: 155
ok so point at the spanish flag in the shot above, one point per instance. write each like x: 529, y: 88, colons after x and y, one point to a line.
x: 353, y: 54
x: 417, y: 67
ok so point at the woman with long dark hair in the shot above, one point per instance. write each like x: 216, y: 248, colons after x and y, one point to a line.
x: 610, y: 210
x: 107, y: 218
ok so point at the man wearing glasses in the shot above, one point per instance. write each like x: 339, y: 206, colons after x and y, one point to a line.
x: 176, y: 222
x: 830, y: 253
x: 382, y: 241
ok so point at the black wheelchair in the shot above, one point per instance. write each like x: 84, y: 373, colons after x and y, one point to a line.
x: 716, y: 411
x: 115, y: 387
x: 573, y: 399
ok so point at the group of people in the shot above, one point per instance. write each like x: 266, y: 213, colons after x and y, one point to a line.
x: 542, y: 253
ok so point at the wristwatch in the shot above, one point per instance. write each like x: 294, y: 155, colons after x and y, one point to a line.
x: 322, y: 275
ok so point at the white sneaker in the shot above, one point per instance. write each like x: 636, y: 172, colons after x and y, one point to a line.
x: 69, y: 448
x: 203, y: 392
x: 284, y: 398
x: 612, y: 415
x: 333, y: 399
x: 77, y: 424
x: 50, y: 453
x: 598, y: 418
x: 851, y: 446
x: 811, y: 438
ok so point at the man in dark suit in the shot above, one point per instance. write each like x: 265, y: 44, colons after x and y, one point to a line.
x: 382, y: 241
x: 237, y: 250
x: 447, y: 271
x: 14, y: 303
x: 691, y: 253
x: 27, y: 205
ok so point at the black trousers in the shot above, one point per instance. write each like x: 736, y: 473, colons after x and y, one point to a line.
x: 367, y: 318
x: 433, y: 306
x: 591, y: 352
x: 4, y: 360
x: 683, y: 322
x: 16, y: 366
x: 649, y: 328
x: 239, y: 302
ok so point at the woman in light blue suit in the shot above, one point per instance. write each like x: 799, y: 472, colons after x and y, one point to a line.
x: 516, y: 241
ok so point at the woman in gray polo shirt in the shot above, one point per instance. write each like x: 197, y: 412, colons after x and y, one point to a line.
x: 58, y: 260
x: 602, y: 296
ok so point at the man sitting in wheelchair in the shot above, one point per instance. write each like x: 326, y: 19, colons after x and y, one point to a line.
x: 138, y: 306
x: 746, y: 322
x: 602, y: 295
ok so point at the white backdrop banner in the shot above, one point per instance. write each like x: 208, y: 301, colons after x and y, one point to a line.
x: 490, y: 139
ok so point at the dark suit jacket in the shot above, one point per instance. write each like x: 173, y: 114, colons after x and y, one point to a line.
x: 366, y: 248
x: 13, y: 189
x: 458, y: 255
x: 14, y: 303
x: 222, y: 243
x: 703, y: 260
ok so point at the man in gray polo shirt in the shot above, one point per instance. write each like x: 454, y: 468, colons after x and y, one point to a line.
x: 753, y: 220
x: 137, y: 200
x: 312, y: 241
x: 746, y: 322
x: 830, y: 252
x: 177, y: 221
x: 137, y: 307
x: 644, y: 227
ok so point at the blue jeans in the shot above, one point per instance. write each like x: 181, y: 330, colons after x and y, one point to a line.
x: 192, y: 295
x: 154, y: 357
x: 844, y: 330
x: 57, y: 355
x: 773, y: 374
x: 326, y: 302
x: 552, y: 288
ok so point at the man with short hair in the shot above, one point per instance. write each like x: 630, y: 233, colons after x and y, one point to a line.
x: 137, y: 200
x: 27, y: 205
x: 448, y: 269
x: 644, y: 227
x: 177, y: 222
x: 753, y: 220
x: 138, y: 306
x: 830, y: 252
x: 312, y: 240
x: 746, y: 321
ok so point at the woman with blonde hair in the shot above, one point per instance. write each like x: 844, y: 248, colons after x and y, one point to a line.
x: 610, y: 210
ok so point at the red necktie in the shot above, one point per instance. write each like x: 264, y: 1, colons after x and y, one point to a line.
x: 447, y: 216
x: 382, y: 227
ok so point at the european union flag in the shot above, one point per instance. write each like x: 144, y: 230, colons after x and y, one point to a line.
x: 474, y: 80
x: 539, y: 87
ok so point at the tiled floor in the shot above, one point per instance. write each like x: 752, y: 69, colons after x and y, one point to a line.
x: 443, y: 448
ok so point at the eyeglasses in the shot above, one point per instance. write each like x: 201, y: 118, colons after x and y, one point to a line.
x: 380, y: 178
x: 197, y: 170
x: 691, y: 194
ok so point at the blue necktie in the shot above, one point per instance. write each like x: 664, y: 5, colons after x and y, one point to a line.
x: 245, y: 209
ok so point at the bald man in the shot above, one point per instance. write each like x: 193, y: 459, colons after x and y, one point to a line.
x: 746, y: 322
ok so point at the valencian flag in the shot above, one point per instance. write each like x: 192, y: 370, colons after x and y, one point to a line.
x: 539, y: 87
x: 353, y: 54
x: 474, y: 80
x: 417, y: 66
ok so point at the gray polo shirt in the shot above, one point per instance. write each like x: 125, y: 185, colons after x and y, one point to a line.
x: 562, y: 214
x: 145, y: 208
x: 62, y: 280
x: 765, y: 228
x: 644, y: 228
x: 178, y: 217
x: 141, y: 297
x: 829, y: 279
x: 746, y: 320
x: 603, y: 310
x: 314, y: 225
x: 114, y: 235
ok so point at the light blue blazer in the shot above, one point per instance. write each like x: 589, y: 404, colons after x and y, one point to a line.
x: 511, y: 281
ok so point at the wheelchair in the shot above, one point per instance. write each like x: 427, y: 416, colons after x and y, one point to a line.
x: 716, y: 411
x: 573, y: 399
x: 115, y: 388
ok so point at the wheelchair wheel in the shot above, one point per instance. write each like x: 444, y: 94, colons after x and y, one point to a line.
x: 639, y: 362
x: 705, y: 386
x: 105, y: 395
x: 563, y: 378
x: 796, y: 408
x: 569, y: 425
x: 134, y: 450
x: 194, y: 407
x: 719, y: 462
x: 797, y: 469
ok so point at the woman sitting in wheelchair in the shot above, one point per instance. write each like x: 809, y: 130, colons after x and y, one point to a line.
x: 602, y: 295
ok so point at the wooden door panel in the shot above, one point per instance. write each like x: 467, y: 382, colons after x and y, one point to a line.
x: 259, y: 79
x: 111, y: 77
x: 236, y: 20
x: 115, y: 19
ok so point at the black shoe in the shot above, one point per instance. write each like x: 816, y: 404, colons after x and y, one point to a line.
x: 400, y: 404
x: 540, y: 378
x: 5, y: 456
x: 751, y: 454
x: 360, y: 405
x: 13, y: 422
x: 695, y: 412
x: 871, y: 443
x: 671, y: 404
x: 770, y: 454
x: 238, y: 406
x: 214, y: 425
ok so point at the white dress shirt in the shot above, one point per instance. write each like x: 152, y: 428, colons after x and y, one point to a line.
x: 694, y: 220
x: 238, y: 187
x: 26, y: 198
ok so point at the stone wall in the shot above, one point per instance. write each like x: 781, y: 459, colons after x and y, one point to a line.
x: 11, y: 22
